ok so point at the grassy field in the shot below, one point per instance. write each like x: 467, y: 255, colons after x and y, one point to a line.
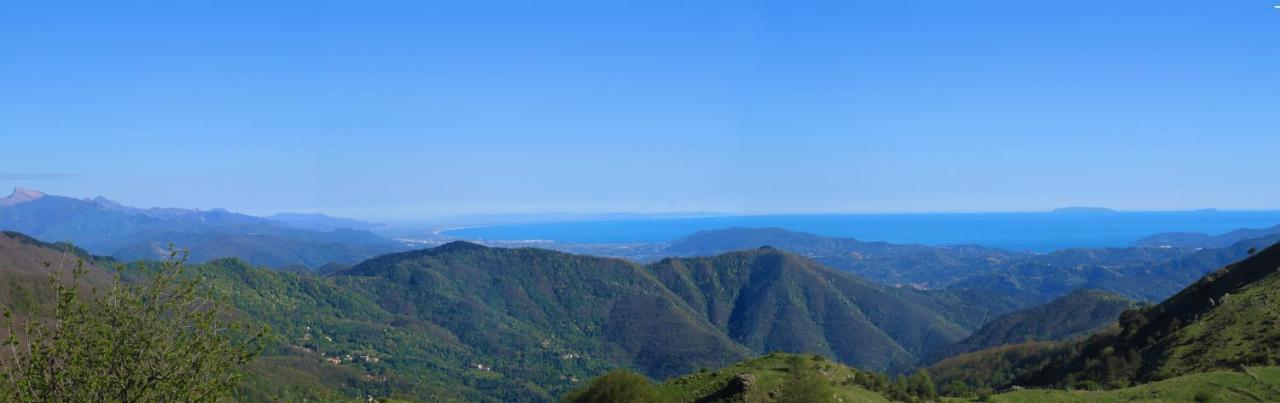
x: 770, y: 372
x: 1257, y: 384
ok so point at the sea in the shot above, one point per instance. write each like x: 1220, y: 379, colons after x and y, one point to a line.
x: 1032, y: 231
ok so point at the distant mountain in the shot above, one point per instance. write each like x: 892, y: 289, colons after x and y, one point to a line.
x: 1077, y: 314
x: 1224, y: 321
x: 109, y: 228
x: 1148, y: 274
x: 21, y: 195
x: 265, y: 245
x: 321, y: 222
x: 1201, y: 240
x: 926, y: 266
x: 1145, y: 273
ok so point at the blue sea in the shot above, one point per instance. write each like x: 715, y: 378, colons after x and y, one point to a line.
x: 1041, y: 232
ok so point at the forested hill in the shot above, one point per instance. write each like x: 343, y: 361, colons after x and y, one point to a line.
x: 1226, y: 320
x: 1077, y: 314
x: 752, y: 301
x: 770, y: 300
x: 25, y: 268
x: 479, y: 323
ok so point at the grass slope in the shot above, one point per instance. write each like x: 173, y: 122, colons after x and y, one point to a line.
x: 770, y: 373
x: 1254, y: 384
x: 1227, y: 319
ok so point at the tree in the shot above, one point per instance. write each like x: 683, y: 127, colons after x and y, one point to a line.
x: 164, y: 337
x: 805, y: 383
x: 956, y: 389
x: 900, y: 390
x: 985, y: 393
x: 617, y: 386
x: 922, y: 385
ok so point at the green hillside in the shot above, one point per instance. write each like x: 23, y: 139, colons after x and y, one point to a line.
x: 765, y: 379
x: 467, y: 322
x: 526, y: 308
x: 1226, y: 320
x: 775, y: 377
x: 1252, y: 384
x: 464, y: 322
x: 25, y: 266
x: 996, y: 368
x: 769, y: 300
x: 1076, y: 314
x: 768, y: 378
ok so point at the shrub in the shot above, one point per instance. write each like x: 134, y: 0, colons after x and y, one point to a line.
x: 1204, y: 396
x: 162, y: 338
x: 617, y: 386
x: 804, y: 384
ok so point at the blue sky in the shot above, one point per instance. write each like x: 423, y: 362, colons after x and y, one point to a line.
x: 412, y: 109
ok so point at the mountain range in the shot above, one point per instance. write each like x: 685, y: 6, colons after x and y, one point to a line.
x: 109, y: 228
x: 1202, y: 240
x: 364, y: 316
x: 528, y: 323
x: 1144, y: 273
x: 465, y: 321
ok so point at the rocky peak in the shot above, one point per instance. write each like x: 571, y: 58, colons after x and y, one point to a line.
x: 21, y: 195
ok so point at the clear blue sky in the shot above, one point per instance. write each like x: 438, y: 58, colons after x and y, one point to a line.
x: 413, y: 109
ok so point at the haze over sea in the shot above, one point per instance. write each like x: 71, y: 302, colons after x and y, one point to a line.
x: 1040, y: 232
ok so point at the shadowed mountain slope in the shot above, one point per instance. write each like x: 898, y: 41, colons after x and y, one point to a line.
x: 1077, y: 314
x: 770, y: 300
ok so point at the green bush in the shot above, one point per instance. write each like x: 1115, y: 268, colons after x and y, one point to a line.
x: 985, y: 394
x: 805, y: 384
x: 165, y: 338
x: 617, y: 386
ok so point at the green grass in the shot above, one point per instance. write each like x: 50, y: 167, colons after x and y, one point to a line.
x: 1242, y: 330
x: 1258, y: 384
x: 771, y: 372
